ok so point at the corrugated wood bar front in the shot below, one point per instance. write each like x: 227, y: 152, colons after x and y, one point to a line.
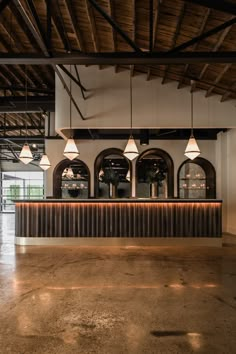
x: 118, y: 219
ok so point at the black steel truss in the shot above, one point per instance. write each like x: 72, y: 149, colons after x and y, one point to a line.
x: 220, y: 5
x: 120, y: 58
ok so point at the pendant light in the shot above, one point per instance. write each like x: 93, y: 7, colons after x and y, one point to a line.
x: 26, y: 154
x: 131, y: 150
x: 44, y: 162
x: 128, y: 176
x: 70, y: 151
x: 192, y: 150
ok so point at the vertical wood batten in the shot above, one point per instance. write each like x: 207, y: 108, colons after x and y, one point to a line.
x: 118, y: 219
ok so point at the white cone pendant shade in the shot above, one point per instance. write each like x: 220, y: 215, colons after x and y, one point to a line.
x: 128, y: 176
x: 192, y: 150
x: 71, y: 151
x: 26, y: 154
x: 44, y: 162
x: 131, y: 150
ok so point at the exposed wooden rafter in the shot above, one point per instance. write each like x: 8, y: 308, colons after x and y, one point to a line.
x: 59, y: 26
x: 74, y: 24
x: 92, y: 24
x: 194, y: 47
x: 218, y: 78
x: 20, y: 8
x: 215, y: 48
x: 114, y: 25
x: 133, y: 15
x: 175, y: 37
x: 157, y: 4
x: 228, y: 92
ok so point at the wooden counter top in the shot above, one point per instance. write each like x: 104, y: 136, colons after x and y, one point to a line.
x: 121, y: 200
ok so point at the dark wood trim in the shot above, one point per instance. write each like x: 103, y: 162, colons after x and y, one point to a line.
x: 98, y: 163
x: 57, y: 173
x: 170, y: 165
x: 210, y: 175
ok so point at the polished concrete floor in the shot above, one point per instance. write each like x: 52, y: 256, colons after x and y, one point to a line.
x: 116, y: 299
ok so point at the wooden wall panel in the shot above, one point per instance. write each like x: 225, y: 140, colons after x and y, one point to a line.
x: 118, y: 219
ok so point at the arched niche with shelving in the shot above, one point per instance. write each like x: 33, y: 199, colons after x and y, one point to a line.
x: 196, y: 179
x: 112, y: 174
x: 154, y: 174
x: 71, y: 179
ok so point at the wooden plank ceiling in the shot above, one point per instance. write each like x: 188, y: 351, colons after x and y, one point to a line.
x: 46, y: 27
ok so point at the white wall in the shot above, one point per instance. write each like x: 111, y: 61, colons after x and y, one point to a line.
x: 89, y: 150
x: 154, y: 105
x: 226, y: 175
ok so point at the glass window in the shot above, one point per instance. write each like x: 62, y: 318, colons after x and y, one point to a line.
x: 19, y: 186
x: 75, y: 181
x: 192, y: 181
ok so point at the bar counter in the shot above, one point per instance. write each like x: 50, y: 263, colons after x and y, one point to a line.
x: 100, y: 221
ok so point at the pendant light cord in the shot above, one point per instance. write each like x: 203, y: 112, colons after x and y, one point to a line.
x: 70, y: 105
x: 131, y: 106
x: 191, y: 114
x: 26, y: 101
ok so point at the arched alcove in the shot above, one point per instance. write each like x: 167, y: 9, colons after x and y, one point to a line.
x: 196, y: 179
x: 154, y: 174
x: 71, y: 179
x: 110, y: 174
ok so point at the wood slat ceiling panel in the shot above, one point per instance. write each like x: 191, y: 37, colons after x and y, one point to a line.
x: 103, y: 29
x: 142, y: 24
x: 124, y: 18
x: 81, y: 15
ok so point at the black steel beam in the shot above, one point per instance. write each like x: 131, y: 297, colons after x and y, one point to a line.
x: 3, y: 4
x: 10, y: 128
x: 72, y: 77
x: 39, y: 138
x: 115, y: 25
x: 29, y: 89
x: 20, y: 8
x: 68, y: 91
x: 78, y: 78
x: 34, y: 125
x: 39, y: 25
x: 220, y: 5
x: 15, y: 104
x: 202, y: 36
x: 120, y: 58
x: 59, y: 23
